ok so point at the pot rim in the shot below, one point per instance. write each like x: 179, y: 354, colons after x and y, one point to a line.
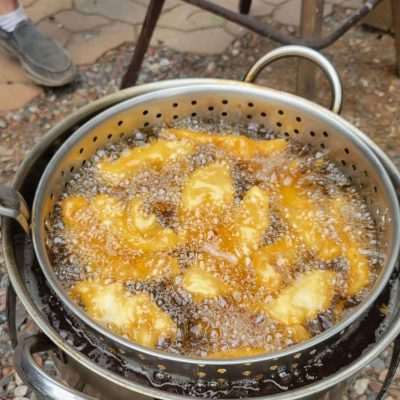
x: 233, y: 87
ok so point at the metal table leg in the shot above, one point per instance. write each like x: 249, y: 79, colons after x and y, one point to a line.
x: 153, y: 14
x: 312, y: 12
x: 396, y: 27
x: 244, y: 6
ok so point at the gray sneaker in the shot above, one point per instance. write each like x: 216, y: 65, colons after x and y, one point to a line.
x: 46, y: 62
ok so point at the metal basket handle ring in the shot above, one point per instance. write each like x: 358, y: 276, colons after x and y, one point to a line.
x: 308, y: 54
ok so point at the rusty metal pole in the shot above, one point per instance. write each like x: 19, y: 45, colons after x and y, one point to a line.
x: 312, y: 12
x: 396, y: 28
x: 153, y: 14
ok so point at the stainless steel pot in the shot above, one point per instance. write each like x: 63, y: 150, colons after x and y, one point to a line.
x: 358, y: 141
x: 109, y: 385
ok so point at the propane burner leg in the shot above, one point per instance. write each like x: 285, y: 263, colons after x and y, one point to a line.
x: 312, y: 12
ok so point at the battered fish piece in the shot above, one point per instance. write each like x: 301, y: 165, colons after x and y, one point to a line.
x: 359, y: 273
x: 203, y: 284
x: 153, y: 155
x: 272, y: 264
x: 302, y: 215
x: 113, y: 227
x: 250, y: 220
x: 239, y: 146
x: 206, y: 196
x: 302, y: 301
x: 134, y: 316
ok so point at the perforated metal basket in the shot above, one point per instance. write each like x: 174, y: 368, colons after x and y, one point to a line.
x: 235, y: 102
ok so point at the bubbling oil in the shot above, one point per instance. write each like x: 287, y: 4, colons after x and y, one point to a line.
x: 210, y: 244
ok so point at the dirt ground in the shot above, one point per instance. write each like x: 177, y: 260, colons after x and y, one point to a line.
x: 364, y: 59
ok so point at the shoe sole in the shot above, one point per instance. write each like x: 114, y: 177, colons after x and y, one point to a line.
x: 32, y: 74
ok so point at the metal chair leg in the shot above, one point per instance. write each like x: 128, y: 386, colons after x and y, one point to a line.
x: 312, y: 12
x: 153, y: 14
x: 396, y: 27
x: 11, y: 300
x: 244, y: 6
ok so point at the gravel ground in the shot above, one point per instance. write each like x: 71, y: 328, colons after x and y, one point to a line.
x: 364, y: 59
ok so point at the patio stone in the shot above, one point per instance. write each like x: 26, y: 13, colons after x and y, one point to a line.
x: 234, y: 29
x: 51, y: 28
x: 27, y: 3
x: 77, y: 22
x: 11, y: 71
x: 120, y: 10
x: 169, y: 4
x: 289, y: 13
x: 45, y: 8
x: 86, y: 48
x: 205, y: 41
x: 188, y: 18
x: 16, y: 95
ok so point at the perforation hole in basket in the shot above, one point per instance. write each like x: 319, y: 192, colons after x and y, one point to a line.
x: 175, y: 116
x: 145, y: 112
x: 81, y: 150
x: 250, y: 104
x: 263, y: 114
x: 146, y: 124
x: 298, y: 119
x: 210, y: 108
x: 249, y: 116
x: 221, y: 370
x: 120, y: 123
x: 194, y: 102
x: 224, y: 113
x: 109, y: 136
x: 159, y: 115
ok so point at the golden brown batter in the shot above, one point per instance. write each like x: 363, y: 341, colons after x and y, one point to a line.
x: 215, y: 245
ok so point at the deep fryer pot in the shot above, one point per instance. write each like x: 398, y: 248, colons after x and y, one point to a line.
x: 289, y: 114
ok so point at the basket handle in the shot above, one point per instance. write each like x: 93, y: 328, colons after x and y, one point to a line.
x: 35, y: 377
x: 13, y: 205
x: 308, y: 54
